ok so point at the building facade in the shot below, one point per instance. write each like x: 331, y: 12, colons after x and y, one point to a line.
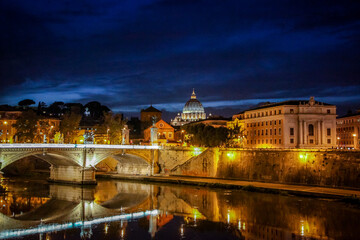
x: 193, y: 111
x: 148, y: 115
x: 164, y: 130
x: 348, y: 129
x: 290, y: 124
x: 7, y: 131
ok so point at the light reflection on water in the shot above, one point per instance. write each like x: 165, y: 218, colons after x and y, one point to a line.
x: 127, y: 210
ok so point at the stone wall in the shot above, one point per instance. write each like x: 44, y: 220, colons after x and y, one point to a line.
x: 315, y: 167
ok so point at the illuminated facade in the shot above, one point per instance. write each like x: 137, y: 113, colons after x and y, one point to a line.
x: 290, y: 124
x: 348, y: 129
x: 7, y: 131
x: 164, y: 130
x: 192, y: 111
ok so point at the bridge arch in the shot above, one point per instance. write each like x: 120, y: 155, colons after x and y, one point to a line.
x: 54, y: 158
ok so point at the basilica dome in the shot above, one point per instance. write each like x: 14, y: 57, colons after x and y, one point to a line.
x: 193, y: 109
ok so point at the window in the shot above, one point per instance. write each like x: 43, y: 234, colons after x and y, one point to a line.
x: 274, y: 141
x: 291, y: 131
x: 275, y: 122
x: 279, y: 131
x: 258, y: 132
x: 291, y: 140
x: 275, y: 131
x: 328, y: 131
x: 258, y: 124
x: 328, y: 111
x: 311, y: 130
x: 329, y: 141
x: 262, y: 123
x: 274, y: 112
x: 262, y: 114
x: 266, y: 123
x: 291, y: 110
x: 279, y: 121
x: 247, y: 125
x: 170, y: 135
x: 270, y: 122
x: 262, y: 132
x: 266, y: 132
x: 270, y: 113
x: 279, y: 111
x: 270, y: 141
x: 279, y: 141
x: 270, y: 131
x: 311, y: 141
x: 266, y: 113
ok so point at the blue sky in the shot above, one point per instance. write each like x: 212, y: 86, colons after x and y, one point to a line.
x: 128, y: 54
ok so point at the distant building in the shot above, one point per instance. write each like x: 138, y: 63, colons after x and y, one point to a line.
x: 7, y: 131
x: 290, y: 124
x: 165, y: 133
x: 193, y: 111
x: 348, y: 129
x: 148, y: 115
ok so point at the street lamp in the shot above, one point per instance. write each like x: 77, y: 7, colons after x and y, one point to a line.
x: 338, y: 138
x: 107, y: 135
x: 6, y: 131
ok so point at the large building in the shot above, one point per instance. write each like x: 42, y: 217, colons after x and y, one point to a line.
x: 7, y: 131
x: 348, y: 129
x: 290, y: 124
x: 193, y: 111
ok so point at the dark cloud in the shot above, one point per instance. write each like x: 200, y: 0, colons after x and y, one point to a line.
x: 128, y: 54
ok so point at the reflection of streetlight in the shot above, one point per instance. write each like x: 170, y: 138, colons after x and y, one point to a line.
x: 107, y: 135
x: 354, y: 135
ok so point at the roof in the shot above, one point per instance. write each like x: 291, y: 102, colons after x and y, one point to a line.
x: 289, y: 102
x: 351, y: 114
x: 150, y: 109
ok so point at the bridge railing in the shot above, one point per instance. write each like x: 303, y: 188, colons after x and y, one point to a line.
x: 53, y: 145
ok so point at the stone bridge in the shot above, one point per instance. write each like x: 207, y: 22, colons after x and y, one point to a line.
x: 73, y: 163
x: 76, y: 163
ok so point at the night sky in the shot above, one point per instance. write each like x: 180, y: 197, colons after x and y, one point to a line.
x: 128, y: 54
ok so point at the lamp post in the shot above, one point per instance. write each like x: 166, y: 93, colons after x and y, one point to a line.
x: 6, y: 131
x: 107, y: 135
x: 338, y: 139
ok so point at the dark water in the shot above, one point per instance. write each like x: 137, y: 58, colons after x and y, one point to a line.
x: 126, y: 210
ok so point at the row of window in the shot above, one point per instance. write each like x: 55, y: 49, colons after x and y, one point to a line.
x: 347, y: 121
x: 262, y: 114
x: 266, y: 132
x: 345, y: 129
x: 266, y: 123
x: 265, y: 141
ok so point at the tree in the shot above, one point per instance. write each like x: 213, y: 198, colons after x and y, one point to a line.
x: 112, y: 125
x: 96, y: 110
x: 207, y: 136
x: 236, y: 135
x: 44, y: 128
x: 26, y: 102
x: 69, y: 126
x: 26, y: 126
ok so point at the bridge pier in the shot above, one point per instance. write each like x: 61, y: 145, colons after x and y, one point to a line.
x: 72, y: 175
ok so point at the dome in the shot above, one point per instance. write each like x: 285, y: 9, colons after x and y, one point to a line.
x: 193, y: 105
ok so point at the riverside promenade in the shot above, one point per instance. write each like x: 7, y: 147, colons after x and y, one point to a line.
x: 301, y: 190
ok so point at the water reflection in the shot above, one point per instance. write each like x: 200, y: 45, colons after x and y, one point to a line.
x: 125, y: 210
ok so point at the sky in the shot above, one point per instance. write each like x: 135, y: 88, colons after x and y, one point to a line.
x: 129, y: 54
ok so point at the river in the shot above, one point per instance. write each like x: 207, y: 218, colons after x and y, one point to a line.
x: 35, y: 209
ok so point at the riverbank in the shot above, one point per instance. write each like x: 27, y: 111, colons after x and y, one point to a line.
x: 276, y: 188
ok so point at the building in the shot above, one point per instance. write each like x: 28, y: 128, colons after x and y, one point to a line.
x: 290, y: 124
x: 193, y: 111
x: 7, y: 131
x: 148, y: 115
x: 165, y: 133
x: 347, y: 130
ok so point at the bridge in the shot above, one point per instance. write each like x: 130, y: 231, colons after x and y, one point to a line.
x: 73, y: 163
x: 76, y: 164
